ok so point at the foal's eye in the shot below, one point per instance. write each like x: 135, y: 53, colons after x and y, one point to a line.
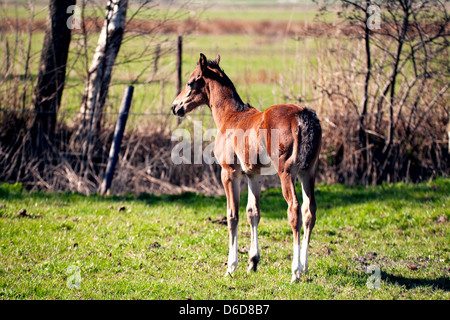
x: 190, y: 83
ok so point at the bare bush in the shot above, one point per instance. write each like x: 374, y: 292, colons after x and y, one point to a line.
x: 383, y: 94
x: 62, y: 165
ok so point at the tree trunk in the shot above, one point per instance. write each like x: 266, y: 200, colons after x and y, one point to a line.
x: 364, y: 160
x: 99, y: 77
x: 52, y: 74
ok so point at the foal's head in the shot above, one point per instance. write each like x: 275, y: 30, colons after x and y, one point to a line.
x: 195, y: 92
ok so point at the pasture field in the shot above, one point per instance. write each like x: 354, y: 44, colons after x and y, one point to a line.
x: 254, y: 62
x: 175, y: 246
x: 206, y: 10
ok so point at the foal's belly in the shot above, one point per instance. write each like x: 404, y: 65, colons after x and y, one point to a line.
x: 259, y: 164
x: 245, y: 150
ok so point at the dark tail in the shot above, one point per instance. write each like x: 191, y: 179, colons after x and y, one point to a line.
x: 310, y: 136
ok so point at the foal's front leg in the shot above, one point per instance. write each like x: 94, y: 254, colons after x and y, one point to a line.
x: 253, y: 216
x: 231, y: 183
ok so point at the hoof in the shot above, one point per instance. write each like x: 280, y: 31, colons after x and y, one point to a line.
x: 253, y: 264
x: 305, y: 268
x: 296, y: 276
x: 231, y: 269
x: 251, y: 268
x: 304, y: 265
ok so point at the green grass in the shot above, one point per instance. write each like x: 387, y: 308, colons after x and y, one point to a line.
x: 166, y: 247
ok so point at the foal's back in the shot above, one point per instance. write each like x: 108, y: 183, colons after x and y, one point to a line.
x: 280, y: 128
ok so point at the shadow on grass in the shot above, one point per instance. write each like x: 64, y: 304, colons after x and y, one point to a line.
x: 273, y: 205
x: 442, y: 283
x: 339, y: 196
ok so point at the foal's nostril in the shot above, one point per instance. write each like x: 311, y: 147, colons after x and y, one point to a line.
x: 178, y: 110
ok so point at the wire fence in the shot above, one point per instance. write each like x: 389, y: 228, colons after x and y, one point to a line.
x: 194, y: 114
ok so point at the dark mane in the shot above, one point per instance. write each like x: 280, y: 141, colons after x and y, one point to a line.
x: 214, y: 65
x: 225, y: 81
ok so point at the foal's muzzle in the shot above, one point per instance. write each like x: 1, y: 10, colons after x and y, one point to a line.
x: 178, y: 110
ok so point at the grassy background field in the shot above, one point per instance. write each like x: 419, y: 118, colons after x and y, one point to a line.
x: 253, y: 61
x: 174, y: 247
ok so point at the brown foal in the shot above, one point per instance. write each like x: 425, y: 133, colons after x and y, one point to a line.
x: 285, y: 137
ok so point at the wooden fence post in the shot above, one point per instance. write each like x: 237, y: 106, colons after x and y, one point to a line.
x: 118, y: 135
x: 179, y: 62
x: 448, y: 133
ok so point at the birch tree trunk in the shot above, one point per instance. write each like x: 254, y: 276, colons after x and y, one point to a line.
x: 99, y: 77
x: 52, y: 74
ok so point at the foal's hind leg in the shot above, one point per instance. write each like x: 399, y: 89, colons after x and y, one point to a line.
x: 287, y: 179
x: 308, y: 212
x: 254, y: 191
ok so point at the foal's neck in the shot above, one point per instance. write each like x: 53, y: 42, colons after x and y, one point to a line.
x: 225, y: 103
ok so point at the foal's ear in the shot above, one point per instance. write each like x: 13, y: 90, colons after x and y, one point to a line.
x: 203, y: 62
x: 217, y: 60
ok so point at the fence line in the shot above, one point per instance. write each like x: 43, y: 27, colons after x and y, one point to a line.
x: 169, y: 113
